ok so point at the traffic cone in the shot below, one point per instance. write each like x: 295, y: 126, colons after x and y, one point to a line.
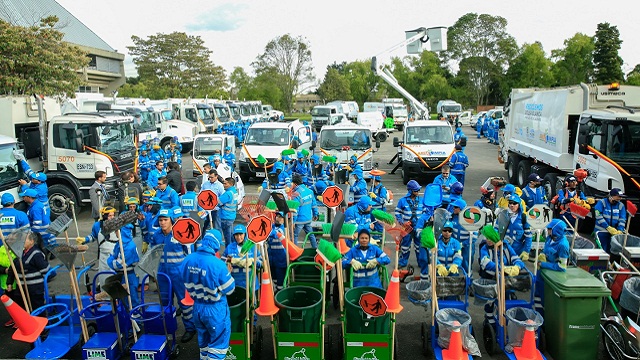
x: 342, y: 245
x: 528, y: 350
x: 455, y: 350
x: 29, y: 327
x: 320, y: 260
x: 187, y: 300
x: 267, y: 302
x: 392, y: 298
x: 294, y: 250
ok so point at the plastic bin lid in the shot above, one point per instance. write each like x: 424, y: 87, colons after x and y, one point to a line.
x: 575, y: 282
x: 631, y: 251
x: 590, y: 254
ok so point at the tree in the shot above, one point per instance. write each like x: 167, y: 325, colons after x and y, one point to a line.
x: 484, y: 38
x: 633, y: 77
x: 361, y: 80
x: 574, y: 63
x: 607, y: 62
x: 334, y: 86
x: 290, y: 58
x: 530, y: 68
x: 240, y: 82
x: 177, y: 65
x: 36, y: 60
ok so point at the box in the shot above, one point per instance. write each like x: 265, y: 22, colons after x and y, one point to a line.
x: 591, y: 260
x: 101, y: 346
x: 150, y: 347
x: 632, y: 254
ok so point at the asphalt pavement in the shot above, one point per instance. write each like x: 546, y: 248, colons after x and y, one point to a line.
x: 483, y: 164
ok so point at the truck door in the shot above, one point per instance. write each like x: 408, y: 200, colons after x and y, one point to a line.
x: 64, y: 155
x: 593, y: 134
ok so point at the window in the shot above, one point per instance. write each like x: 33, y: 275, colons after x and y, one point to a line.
x: 595, y: 138
x: 65, y: 138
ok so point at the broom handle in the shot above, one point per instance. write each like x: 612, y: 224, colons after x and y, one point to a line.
x: 76, y: 293
x: 210, y: 219
x: 266, y: 266
x: 247, y: 294
x: 126, y: 282
x: 27, y: 304
x: 340, y: 284
x: 535, y: 262
x: 626, y: 229
x: 75, y: 221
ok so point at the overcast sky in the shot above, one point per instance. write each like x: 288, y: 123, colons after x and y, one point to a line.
x: 237, y: 31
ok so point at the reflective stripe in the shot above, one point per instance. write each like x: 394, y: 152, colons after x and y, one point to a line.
x: 361, y: 274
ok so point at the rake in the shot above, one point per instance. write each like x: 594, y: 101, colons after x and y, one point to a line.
x: 250, y: 210
x: 397, y: 233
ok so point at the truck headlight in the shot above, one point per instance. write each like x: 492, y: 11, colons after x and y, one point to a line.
x: 186, y: 139
x: 242, y: 156
x: 410, y: 157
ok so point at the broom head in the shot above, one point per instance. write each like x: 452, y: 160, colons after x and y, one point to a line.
x: 305, y: 152
x: 328, y: 252
x: 383, y: 217
x: 59, y: 225
x: 631, y: 208
x: 490, y: 233
x: 246, y: 247
x: 329, y: 159
x: 578, y: 210
x: 427, y: 238
x: 260, y: 159
x: 347, y: 230
x: 288, y: 152
x: 125, y: 218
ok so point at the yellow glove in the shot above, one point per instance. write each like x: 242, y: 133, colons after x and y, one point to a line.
x: 319, y: 197
x: 347, y: 167
x: 371, y: 264
x: 145, y: 247
x: 79, y: 240
x: 259, y: 189
x: 248, y: 262
x: 442, y: 271
x: 375, y: 242
x: 591, y: 201
x: 512, y: 270
x: 524, y: 256
x: 356, y: 265
x: 542, y: 258
x: 612, y: 230
x: 236, y: 261
x: 453, y: 269
x: 372, y: 195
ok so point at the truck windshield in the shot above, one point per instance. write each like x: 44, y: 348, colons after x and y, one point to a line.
x: 205, y: 114
x: 245, y: 109
x: 207, y: 145
x: 145, y: 122
x: 429, y: 135
x: 262, y: 136
x: 166, y: 115
x: 320, y: 111
x: 266, y: 108
x: 253, y: 109
x: 8, y: 166
x: 190, y: 114
x: 451, y: 108
x: 399, y: 110
x: 118, y: 137
x: 356, y: 139
x: 623, y: 143
x: 235, y: 111
x: 222, y: 113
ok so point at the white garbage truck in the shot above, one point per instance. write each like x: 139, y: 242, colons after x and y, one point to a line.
x: 554, y: 132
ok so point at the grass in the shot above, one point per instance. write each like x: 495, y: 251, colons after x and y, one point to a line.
x: 301, y: 116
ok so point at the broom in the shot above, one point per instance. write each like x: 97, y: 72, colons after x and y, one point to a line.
x: 288, y: 152
x: 398, y: 232
x: 383, y: 217
x: 347, y: 229
x: 329, y: 254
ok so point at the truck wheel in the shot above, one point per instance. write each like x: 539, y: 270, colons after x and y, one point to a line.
x: 512, y: 168
x: 549, y: 185
x: 382, y: 136
x: 405, y: 175
x: 166, y: 145
x: 524, y: 170
x: 59, y: 196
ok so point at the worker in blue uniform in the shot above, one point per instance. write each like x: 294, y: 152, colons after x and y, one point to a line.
x: 449, y: 258
x: 459, y: 162
x: 228, y: 209
x: 238, y: 261
x: 39, y: 217
x: 131, y: 259
x: 463, y: 235
x: 209, y: 282
x: 11, y: 219
x: 408, y: 212
x: 167, y: 194
x: 229, y: 158
x: 359, y: 185
x: 360, y: 215
x: 173, y: 255
x: 189, y: 201
x: 276, y: 251
x: 283, y: 179
x: 518, y: 232
x: 307, y: 211
x: 445, y: 180
x: 611, y: 217
x: 534, y: 193
x: 364, y: 258
x: 555, y: 256
x: 155, y: 174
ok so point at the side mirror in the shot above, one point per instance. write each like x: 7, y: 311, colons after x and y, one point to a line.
x: 501, y: 124
x: 79, y: 142
x: 396, y: 142
x: 582, y: 144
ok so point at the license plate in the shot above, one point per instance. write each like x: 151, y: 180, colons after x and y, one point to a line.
x: 260, y: 174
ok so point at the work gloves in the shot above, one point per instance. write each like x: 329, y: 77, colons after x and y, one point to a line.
x: 356, y: 265
x: 371, y: 264
x: 524, y: 256
x: 373, y: 195
x: 613, y: 231
x: 80, y: 240
x: 542, y: 258
x: 145, y: 247
x: 512, y: 270
x: 453, y: 269
x: 442, y: 271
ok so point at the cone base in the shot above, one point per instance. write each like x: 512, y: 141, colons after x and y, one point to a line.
x: 458, y: 354
x: 395, y: 310
x: 525, y: 354
x: 187, y: 302
x: 40, y: 323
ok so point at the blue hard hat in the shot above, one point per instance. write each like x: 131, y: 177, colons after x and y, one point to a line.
x: 32, y: 193
x: 448, y: 225
x: 154, y: 200
x: 510, y: 188
x: 239, y: 229
x: 413, y: 185
x: 457, y: 188
x: 212, y: 238
x: 460, y: 203
x: 515, y: 197
x: 164, y: 213
x: 7, y: 199
x: 364, y: 203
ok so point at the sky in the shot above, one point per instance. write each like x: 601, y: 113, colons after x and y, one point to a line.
x: 237, y: 31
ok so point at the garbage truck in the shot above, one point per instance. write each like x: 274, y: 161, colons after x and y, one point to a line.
x: 69, y: 148
x: 554, y: 132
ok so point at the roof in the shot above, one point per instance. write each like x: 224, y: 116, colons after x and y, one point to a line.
x: 276, y: 125
x: 428, y: 123
x: 29, y: 12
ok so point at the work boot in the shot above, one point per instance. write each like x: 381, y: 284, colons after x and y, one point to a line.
x: 187, y: 336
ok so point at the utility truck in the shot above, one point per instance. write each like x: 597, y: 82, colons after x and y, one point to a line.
x: 346, y: 139
x: 321, y: 115
x: 449, y: 110
x: 69, y: 148
x: 374, y: 120
x: 271, y: 113
x: 425, y: 146
x: 397, y: 110
x: 554, y: 132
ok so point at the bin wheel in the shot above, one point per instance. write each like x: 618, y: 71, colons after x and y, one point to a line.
x: 489, y: 338
x: 425, y: 334
x: 257, y: 343
x: 395, y: 347
x: 335, y: 296
x: 611, y: 344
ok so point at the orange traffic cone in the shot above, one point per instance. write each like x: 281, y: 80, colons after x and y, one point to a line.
x: 320, y: 261
x: 528, y: 350
x: 267, y: 302
x: 455, y: 350
x: 29, y: 327
x: 392, y: 298
x: 294, y: 250
x: 187, y: 301
x: 343, y: 247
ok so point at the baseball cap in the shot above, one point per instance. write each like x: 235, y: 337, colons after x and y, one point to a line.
x: 534, y: 177
x: 239, y: 229
x: 570, y: 178
x: 7, y: 199
x: 164, y: 213
x: 613, y: 192
x: 32, y: 193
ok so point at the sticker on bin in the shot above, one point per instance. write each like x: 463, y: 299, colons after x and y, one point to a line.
x: 297, y: 344
x: 366, y: 344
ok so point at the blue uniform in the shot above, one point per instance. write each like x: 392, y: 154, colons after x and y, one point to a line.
x: 189, y: 202
x: 169, y: 197
x: 608, y: 214
x: 227, y: 213
x: 42, y: 189
x: 359, y: 189
x: 364, y: 276
x: 277, y: 254
x: 209, y: 282
x: 488, y: 263
x: 170, y: 263
x: 307, y: 210
x: 230, y: 160
x: 144, y: 164
x: 519, y: 233
x: 445, y: 183
x: 11, y: 220
x: 154, y: 175
x: 459, y: 162
x: 449, y: 253
x: 533, y: 196
x: 174, y: 155
x: 464, y: 237
x: 237, y: 272
x: 409, y: 210
x: 131, y: 259
x: 157, y: 155
x: 556, y: 251
x: 566, y: 195
x: 283, y: 181
x: 39, y: 220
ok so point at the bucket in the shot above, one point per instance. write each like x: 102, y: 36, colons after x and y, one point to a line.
x: 356, y: 321
x: 300, y: 309
x: 237, y: 309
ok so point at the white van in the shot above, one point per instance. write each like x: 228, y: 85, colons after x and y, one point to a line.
x: 321, y: 114
x: 374, y: 120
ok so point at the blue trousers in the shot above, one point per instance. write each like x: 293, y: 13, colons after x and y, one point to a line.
x: 213, y: 325
x: 465, y: 256
x: 307, y: 229
x: 227, y: 231
x: 605, y: 240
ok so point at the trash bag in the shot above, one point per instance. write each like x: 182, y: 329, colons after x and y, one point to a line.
x: 581, y: 243
x: 450, y: 285
x: 484, y: 290
x: 451, y: 319
x: 419, y: 290
x: 519, y: 319
x: 630, y: 297
x: 618, y: 240
x: 520, y: 282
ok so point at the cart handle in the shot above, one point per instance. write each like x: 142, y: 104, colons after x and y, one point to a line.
x: 89, y: 312
x: 62, y: 313
x: 299, y: 264
x: 85, y: 268
x: 95, y: 277
x: 138, y: 312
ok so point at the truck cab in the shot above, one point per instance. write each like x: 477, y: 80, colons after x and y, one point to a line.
x: 449, y: 110
x: 346, y: 139
x: 397, y: 110
x: 269, y: 139
x: 167, y: 127
x: 425, y: 146
x: 321, y: 115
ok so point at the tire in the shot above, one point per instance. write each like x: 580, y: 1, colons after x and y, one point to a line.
x: 512, y: 168
x: 405, y: 175
x: 611, y: 345
x: 382, y: 136
x: 489, y: 338
x: 524, y: 170
x: 165, y: 145
x: 549, y: 184
x: 59, y: 196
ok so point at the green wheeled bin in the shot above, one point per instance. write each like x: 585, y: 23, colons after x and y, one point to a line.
x: 366, y: 337
x: 572, y: 310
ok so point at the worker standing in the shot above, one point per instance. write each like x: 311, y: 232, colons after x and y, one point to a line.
x: 611, y: 217
x: 408, y: 211
x: 459, y: 162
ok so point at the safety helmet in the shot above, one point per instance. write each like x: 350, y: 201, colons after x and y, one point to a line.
x: 164, y: 213
x: 277, y: 166
x: 448, y: 225
x: 509, y: 188
x: 239, y: 229
x: 457, y: 188
x: 107, y: 210
x: 514, y: 197
x: 148, y: 193
x: 413, y: 185
x: 154, y: 200
x: 364, y: 203
x: 459, y: 203
x: 42, y: 177
x: 156, y: 146
x: 132, y: 201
